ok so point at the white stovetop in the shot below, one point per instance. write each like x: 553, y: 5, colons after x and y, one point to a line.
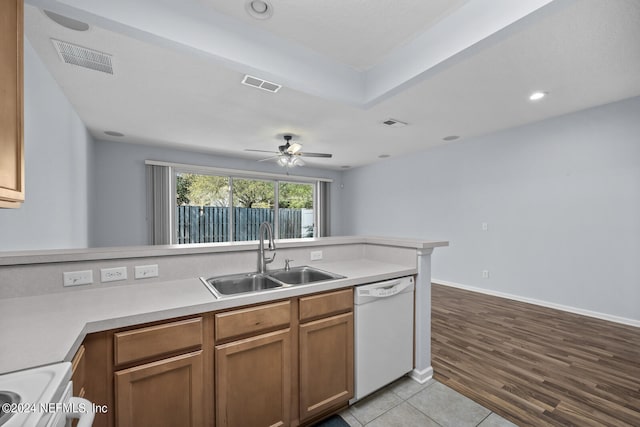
x: 35, y: 386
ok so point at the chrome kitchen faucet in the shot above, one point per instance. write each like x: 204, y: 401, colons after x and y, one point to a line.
x: 262, y: 260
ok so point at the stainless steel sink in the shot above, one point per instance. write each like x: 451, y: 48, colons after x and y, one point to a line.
x: 254, y: 282
x: 303, y: 275
x: 240, y: 283
x: 10, y: 398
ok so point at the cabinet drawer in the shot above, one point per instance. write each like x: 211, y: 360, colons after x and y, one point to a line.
x: 157, y: 340
x: 327, y: 304
x: 253, y: 320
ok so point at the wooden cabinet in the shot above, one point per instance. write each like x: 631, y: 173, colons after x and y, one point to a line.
x: 166, y: 393
x: 78, y: 373
x: 253, y: 374
x: 253, y: 381
x: 165, y: 387
x: 158, y: 340
x: 283, y: 363
x: 326, y: 352
x: 11, y: 104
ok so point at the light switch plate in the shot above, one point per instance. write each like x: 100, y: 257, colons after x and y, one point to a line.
x: 316, y: 255
x: 77, y: 278
x: 145, y: 271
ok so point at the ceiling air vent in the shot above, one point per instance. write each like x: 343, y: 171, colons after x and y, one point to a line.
x: 83, y: 57
x: 260, y: 84
x: 394, y: 123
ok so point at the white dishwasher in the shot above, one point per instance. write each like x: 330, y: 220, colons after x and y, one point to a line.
x: 383, y: 334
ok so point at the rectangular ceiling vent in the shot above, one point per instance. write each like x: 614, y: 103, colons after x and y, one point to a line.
x: 394, y: 123
x: 83, y: 57
x: 260, y: 84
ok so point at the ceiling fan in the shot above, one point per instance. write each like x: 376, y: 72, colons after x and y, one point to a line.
x: 288, y: 154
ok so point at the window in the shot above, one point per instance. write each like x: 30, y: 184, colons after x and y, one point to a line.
x: 209, y: 206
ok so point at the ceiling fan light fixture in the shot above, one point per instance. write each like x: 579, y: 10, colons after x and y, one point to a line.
x: 283, y: 161
x: 294, y: 148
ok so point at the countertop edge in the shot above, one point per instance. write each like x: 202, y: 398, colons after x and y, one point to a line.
x: 95, y: 254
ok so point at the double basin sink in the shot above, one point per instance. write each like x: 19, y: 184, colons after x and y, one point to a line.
x: 256, y: 282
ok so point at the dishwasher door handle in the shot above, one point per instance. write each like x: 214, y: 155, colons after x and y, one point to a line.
x: 389, y: 289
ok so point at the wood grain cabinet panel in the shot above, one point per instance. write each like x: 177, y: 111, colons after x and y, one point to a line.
x: 166, y: 393
x: 145, y: 343
x: 11, y: 104
x: 326, y: 364
x: 253, y: 381
x: 78, y: 375
x: 326, y: 304
x: 252, y: 320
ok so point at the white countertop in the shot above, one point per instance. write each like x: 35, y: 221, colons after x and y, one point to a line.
x: 45, y: 329
x: 66, y: 255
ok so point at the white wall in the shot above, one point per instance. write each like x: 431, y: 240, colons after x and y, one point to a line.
x: 561, y: 199
x: 57, y: 154
x: 119, y: 210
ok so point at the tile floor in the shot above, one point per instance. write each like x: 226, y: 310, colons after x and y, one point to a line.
x: 405, y: 403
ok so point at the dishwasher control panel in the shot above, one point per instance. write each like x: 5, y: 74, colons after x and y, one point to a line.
x: 384, y: 289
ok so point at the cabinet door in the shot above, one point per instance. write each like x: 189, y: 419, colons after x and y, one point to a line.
x: 11, y: 146
x: 166, y: 393
x: 253, y: 381
x: 326, y: 364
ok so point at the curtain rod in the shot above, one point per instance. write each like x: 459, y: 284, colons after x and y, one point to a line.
x: 235, y: 172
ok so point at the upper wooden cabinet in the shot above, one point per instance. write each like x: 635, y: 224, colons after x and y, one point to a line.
x: 11, y: 104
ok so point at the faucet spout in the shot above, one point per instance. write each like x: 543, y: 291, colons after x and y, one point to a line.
x: 265, y: 227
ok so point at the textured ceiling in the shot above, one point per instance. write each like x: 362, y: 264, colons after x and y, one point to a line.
x: 584, y: 53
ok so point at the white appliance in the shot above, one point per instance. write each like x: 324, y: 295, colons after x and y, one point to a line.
x: 42, y: 398
x: 383, y: 334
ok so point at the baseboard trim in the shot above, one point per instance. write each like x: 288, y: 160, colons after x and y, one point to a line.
x: 574, y: 310
x: 421, y: 376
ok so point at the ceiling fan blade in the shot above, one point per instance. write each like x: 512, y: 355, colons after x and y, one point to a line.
x: 315, y: 155
x: 262, y: 151
x: 268, y: 158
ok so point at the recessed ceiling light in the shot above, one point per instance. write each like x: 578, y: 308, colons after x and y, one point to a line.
x: 538, y: 95
x: 113, y: 133
x: 67, y: 22
x: 259, y: 9
x: 451, y: 138
x: 383, y: 156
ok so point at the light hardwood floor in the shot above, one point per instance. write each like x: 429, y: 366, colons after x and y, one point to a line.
x: 534, y: 365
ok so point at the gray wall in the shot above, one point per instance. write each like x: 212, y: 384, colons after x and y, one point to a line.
x: 57, y: 155
x: 561, y: 199
x: 119, y: 217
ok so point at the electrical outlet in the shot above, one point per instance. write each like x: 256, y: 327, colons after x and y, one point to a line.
x: 113, y: 274
x: 145, y: 271
x: 76, y: 278
x: 485, y: 274
x: 316, y: 255
x: 485, y: 226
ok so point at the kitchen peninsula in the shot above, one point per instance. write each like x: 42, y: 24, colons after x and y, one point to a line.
x: 46, y: 322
